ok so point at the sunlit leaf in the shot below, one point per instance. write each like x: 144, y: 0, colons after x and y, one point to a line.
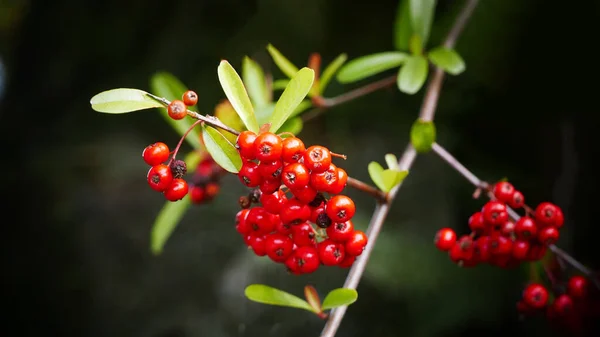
x: 312, y: 297
x: 370, y: 65
x: 330, y: 70
x: 339, y: 297
x: 402, y: 26
x: 225, y: 112
x: 421, y: 17
x: 280, y: 84
x: 305, y: 104
x: 236, y: 94
x: 391, y: 178
x: 413, y: 74
x: 292, y: 125
x: 376, y: 173
x: 268, y: 295
x: 286, y: 67
x: 123, y: 100
x: 447, y: 59
x: 291, y: 97
x: 221, y: 149
x: 255, y: 82
x: 392, y: 161
x: 422, y: 135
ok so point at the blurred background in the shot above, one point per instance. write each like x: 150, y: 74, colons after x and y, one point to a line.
x: 78, y: 211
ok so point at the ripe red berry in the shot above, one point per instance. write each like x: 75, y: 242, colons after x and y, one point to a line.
x: 482, y: 251
x: 520, y: 249
x: 177, y: 109
x: 304, y: 235
x: 292, y: 149
x: 268, y: 186
x: 562, y: 305
x: 260, y: 221
x: 508, y: 228
x: 295, y: 176
x: 317, y: 158
x: 258, y: 244
x: 270, y: 170
x: 444, y: 239
x: 268, y: 147
x: 548, y: 235
x: 212, y: 189
x: 500, y: 245
x: 525, y: 228
x: 273, y: 202
x: 325, y: 181
x: 347, y: 262
x: 294, y: 212
x: 245, y: 145
x: 342, y: 179
x: 476, y: 223
x: 340, y: 232
x: 305, y: 194
x: 535, y: 296
x: 304, y: 260
x: 278, y: 246
x: 241, y: 225
x: 577, y: 286
x: 517, y: 200
x: 560, y: 218
x: 159, y: 177
x: 494, y: 213
x: 340, y: 208
x: 197, y: 194
x: 156, y: 154
x: 503, y: 191
x: 249, y: 174
x: 190, y: 98
x: 536, y: 251
x: 282, y: 228
x: 177, y: 190
x: 331, y: 253
x: 356, y: 243
x: 463, y: 250
x: 546, y: 214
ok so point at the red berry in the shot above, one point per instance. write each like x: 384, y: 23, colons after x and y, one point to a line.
x: 177, y: 190
x: 190, y: 98
x: 245, y: 145
x: 500, y: 245
x: 525, y: 228
x: 503, y: 191
x: 356, y: 243
x: 197, y: 194
x: 304, y: 260
x: 294, y: 212
x: 444, y: 239
x: 248, y: 239
x: 304, y: 235
x: 482, y: 249
x: 546, y: 214
x: 241, y: 225
x: 476, y: 223
x: 331, y: 253
x: 212, y: 189
x: 520, y: 249
x: 463, y: 250
x: 260, y: 221
x: 156, y: 154
x: 258, y: 245
x: 270, y: 170
x: 577, y: 287
x: 314, y: 213
x: 273, y: 202
x: 249, y: 174
x: 305, y: 194
x: 177, y: 109
x: 269, y: 186
x: 325, y: 181
x: 535, y: 296
x: 282, y: 228
x: 560, y: 218
x: 342, y: 179
x: 347, y: 262
x: 295, y: 176
x: 562, y: 305
x: 317, y: 158
x: 536, y: 252
x: 292, y: 149
x: 268, y: 147
x: 278, y: 246
x: 340, y: 232
x: 495, y: 214
x: 340, y: 208
x: 508, y: 228
x: 548, y: 235
x: 159, y: 177
x: 517, y: 200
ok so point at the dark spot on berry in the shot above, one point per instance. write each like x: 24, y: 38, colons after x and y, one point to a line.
x: 341, y: 214
x: 337, y: 253
x: 300, y: 262
x: 155, y: 178
x: 340, y: 226
x: 323, y: 220
x: 329, y: 176
x: 255, y: 227
x: 495, y: 215
x: 296, y: 156
x: 279, y: 252
x: 317, y: 200
x: 254, y: 196
x: 246, y: 180
x: 277, y: 173
x: 178, y: 168
x: 265, y: 149
x: 244, y: 202
x: 296, y: 222
x: 291, y: 177
x: 311, y: 235
x: 548, y: 213
x: 316, y: 154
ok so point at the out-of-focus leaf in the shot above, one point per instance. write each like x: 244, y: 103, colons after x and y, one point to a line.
x: 236, y: 94
x: 376, y: 174
x: 392, y: 162
x: 370, y: 65
x: 413, y: 74
x: 422, y: 135
x: 305, y: 104
x: 221, y: 149
x: 268, y: 295
x: 123, y: 100
x: 226, y: 113
x: 330, y: 70
x: 415, y: 45
x: 339, y: 297
x: 292, y: 125
x: 402, y: 26
x: 255, y: 82
x: 447, y: 59
x: 286, y: 67
x: 391, y: 178
x: 312, y: 297
x: 421, y: 17
x: 280, y: 84
x: 291, y: 97
x: 264, y: 113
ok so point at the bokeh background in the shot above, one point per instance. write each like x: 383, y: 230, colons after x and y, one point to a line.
x: 77, y: 210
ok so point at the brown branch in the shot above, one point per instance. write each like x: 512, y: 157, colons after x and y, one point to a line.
x: 366, y: 188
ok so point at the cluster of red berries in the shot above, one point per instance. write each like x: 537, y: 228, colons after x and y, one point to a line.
x: 496, y: 239
x: 300, y: 218
x: 165, y: 178
x: 206, y: 181
x: 177, y: 109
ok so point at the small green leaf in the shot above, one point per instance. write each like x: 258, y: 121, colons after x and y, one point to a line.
x: 305, y: 104
x: 123, y: 100
x: 256, y: 83
x: 236, y: 94
x: 339, y: 297
x: 415, y: 45
x: 391, y: 178
x: 330, y: 70
x: 291, y: 97
x: 376, y: 173
x: 292, y: 125
x: 402, y: 26
x: 413, y: 74
x: 421, y: 15
x: 370, y: 65
x: 392, y: 162
x: 168, y: 86
x: 286, y: 67
x: 280, y: 84
x: 447, y: 59
x: 171, y: 213
x: 221, y: 150
x: 312, y: 297
x: 268, y: 295
x: 422, y: 135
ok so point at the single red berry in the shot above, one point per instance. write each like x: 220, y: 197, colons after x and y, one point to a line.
x: 317, y: 158
x: 260, y: 221
x: 294, y: 212
x: 268, y: 186
x: 520, y: 249
x: 304, y: 260
x: 190, y: 98
x: 273, y: 202
x: 560, y: 218
x: 249, y: 174
x: 525, y: 228
x: 482, y: 251
x: 340, y: 208
x: 463, y: 251
x: 536, y: 252
x: 248, y: 240
x: 546, y: 214
x: 270, y: 170
x: 245, y: 145
x: 295, y: 176
x: 304, y: 235
x: 278, y: 246
x: 508, y: 228
x: 177, y: 190
x: 305, y: 194
x: 444, y: 239
x: 503, y: 191
x: 341, y: 231
x: 356, y: 243
x: 212, y: 189
x: 159, y: 177
x: 342, y: 179
x: 197, y: 194
x: 548, y: 235
x: 495, y: 214
x: 577, y: 287
x: 292, y: 149
x: 535, y: 296
x: 476, y: 223
x: 268, y: 147
x: 517, y: 200
x: 501, y: 245
x: 325, y: 181
x: 347, y: 262
x: 280, y: 227
x: 562, y: 305
x: 156, y: 154
x: 258, y: 245
x: 331, y: 253
x: 177, y: 109
x: 241, y: 225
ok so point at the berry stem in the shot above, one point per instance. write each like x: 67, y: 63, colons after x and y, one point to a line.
x: 364, y: 187
x: 182, y: 138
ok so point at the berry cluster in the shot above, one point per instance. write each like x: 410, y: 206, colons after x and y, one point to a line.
x: 497, y: 240
x: 300, y: 218
x: 177, y: 109
x: 165, y: 178
x: 206, y: 181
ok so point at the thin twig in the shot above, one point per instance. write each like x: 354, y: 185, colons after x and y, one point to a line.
x: 364, y: 187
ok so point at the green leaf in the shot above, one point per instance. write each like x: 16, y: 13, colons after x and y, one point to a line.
x: 339, y: 297
x: 221, y: 150
x: 370, y: 65
x: 123, y: 100
x: 291, y: 97
x: 402, y: 26
x: 422, y: 135
x: 264, y: 113
x: 391, y: 178
x: 312, y: 297
x: 236, y: 94
x: 392, y: 161
x: 268, y: 295
x: 225, y: 112
x: 280, y: 84
x: 305, y: 104
x: 447, y: 59
x: 256, y: 83
x: 415, y: 45
x: 168, y: 86
x: 421, y: 15
x: 171, y: 213
x: 292, y: 125
x: 413, y: 74
x: 286, y: 67
x: 330, y: 70
x: 376, y: 173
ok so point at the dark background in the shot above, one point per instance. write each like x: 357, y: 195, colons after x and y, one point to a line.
x: 77, y: 211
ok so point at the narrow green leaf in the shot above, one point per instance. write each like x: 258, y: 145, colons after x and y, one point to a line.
x: 256, y: 83
x: 447, y: 59
x: 292, y: 125
x: 268, y: 295
x: 376, y: 173
x: 413, y: 74
x: 221, y: 150
x: 280, y: 84
x: 291, y: 97
x: 422, y: 135
x: 370, y: 65
x: 339, y: 297
x: 286, y: 67
x: 123, y: 100
x: 415, y: 45
x: 421, y: 15
x: 402, y: 26
x: 392, y: 161
x: 312, y: 297
x: 168, y: 86
x: 391, y: 178
x: 330, y: 70
x: 236, y: 94
x: 305, y: 104
x: 171, y: 213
